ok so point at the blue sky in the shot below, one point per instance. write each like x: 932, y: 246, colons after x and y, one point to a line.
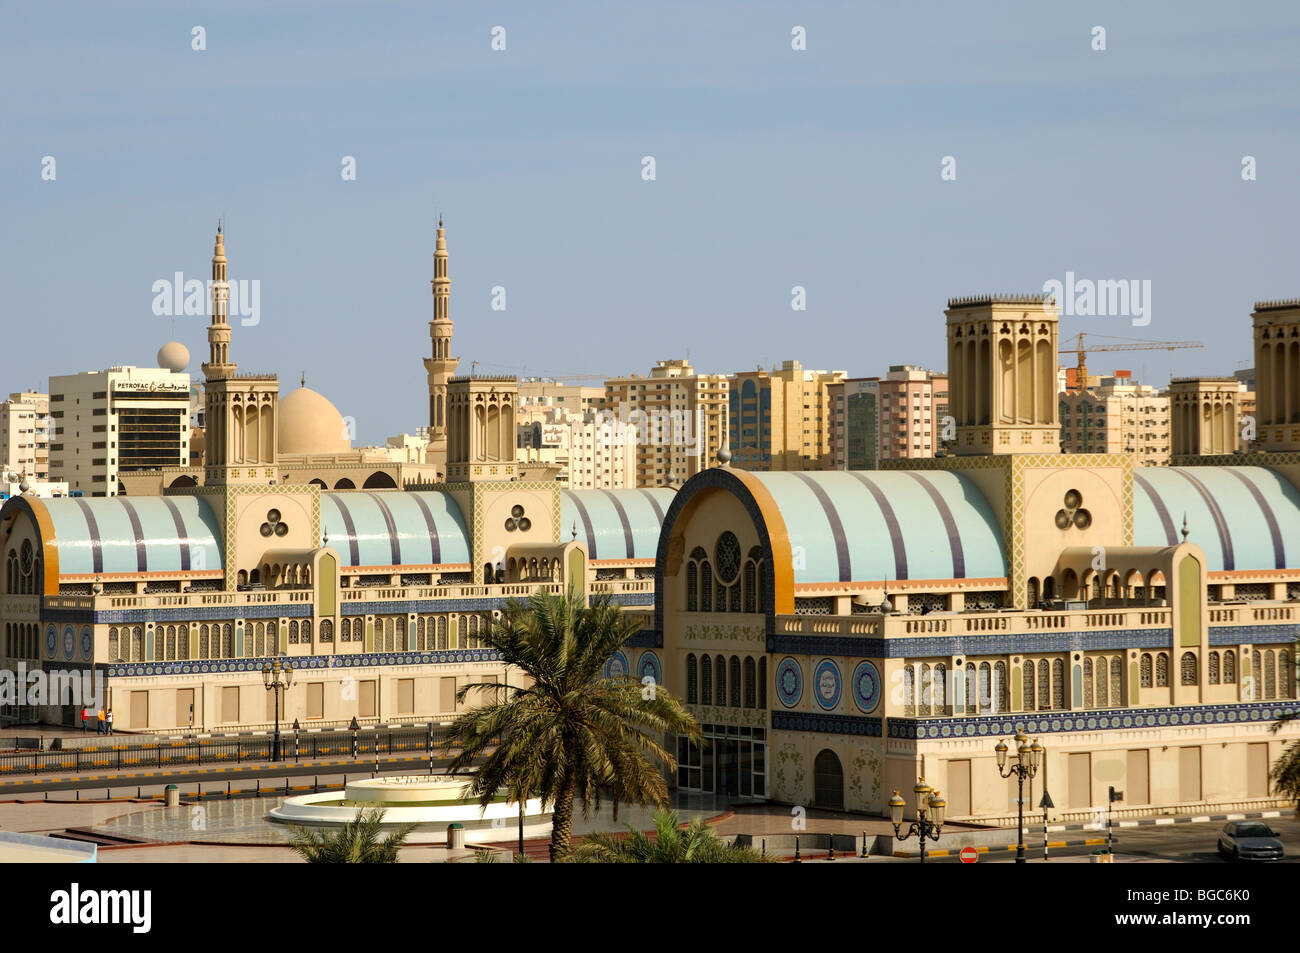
x: 775, y: 168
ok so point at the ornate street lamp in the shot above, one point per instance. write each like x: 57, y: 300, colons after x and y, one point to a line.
x: 930, y: 808
x: 277, y: 677
x: 1025, y: 766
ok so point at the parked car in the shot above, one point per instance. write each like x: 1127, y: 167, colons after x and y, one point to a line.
x: 1249, y: 840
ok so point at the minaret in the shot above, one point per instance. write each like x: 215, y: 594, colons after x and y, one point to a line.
x: 441, y: 366
x: 218, y: 366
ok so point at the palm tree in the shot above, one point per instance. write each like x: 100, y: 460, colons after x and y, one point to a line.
x: 696, y: 843
x: 1286, y: 771
x: 357, y: 842
x: 571, y: 732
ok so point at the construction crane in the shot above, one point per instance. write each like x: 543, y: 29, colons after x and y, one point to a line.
x: 1131, y: 344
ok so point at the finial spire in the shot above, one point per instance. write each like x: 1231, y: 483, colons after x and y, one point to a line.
x: 1186, y: 531
x: 303, y: 381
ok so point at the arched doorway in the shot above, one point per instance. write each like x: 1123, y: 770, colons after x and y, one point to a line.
x: 828, y: 781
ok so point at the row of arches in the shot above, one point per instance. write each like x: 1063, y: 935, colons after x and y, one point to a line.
x: 1277, y: 372
x: 20, y: 581
x: 934, y: 690
x: 283, y: 576
x: 1103, y: 682
x: 533, y: 569
x: 705, y: 592
x: 734, y: 683
x: 432, y: 633
x: 1128, y: 585
x: 1274, y: 674
x: 22, y: 640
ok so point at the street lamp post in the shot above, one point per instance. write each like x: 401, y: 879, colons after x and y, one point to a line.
x: 1025, y: 766
x: 930, y: 808
x: 277, y: 676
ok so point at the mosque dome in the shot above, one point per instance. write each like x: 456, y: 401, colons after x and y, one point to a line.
x: 174, y: 356
x: 311, y: 424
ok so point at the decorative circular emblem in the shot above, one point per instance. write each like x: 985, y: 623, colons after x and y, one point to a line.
x: 648, y: 666
x: 866, y: 686
x: 617, y: 666
x: 87, y: 643
x: 51, y: 639
x: 826, y: 682
x: 69, y: 641
x: 789, y: 682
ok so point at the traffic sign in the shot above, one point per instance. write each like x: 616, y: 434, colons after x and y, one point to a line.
x: 969, y: 855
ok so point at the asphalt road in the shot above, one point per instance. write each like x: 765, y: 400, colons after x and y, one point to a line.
x: 1177, y: 843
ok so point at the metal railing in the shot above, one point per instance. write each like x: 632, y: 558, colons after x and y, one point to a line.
x: 294, y: 746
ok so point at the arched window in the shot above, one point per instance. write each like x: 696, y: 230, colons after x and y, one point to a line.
x: 1162, y: 670
x: 1087, y: 683
x: 1116, y: 682
x: 1286, y: 674
x: 1212, y: 668
x: 304, y: 633
x: 183, y: 643
x: 925, y: 690
x: 909, y: 691
x: 985, y: 687
x: 1044, y: 686
x: 722, y: 681
x: 420, y: 633
x: 749, y: 579
x: 706, y: 680
x: 205, y: 647
x: 1187, y: 669
x: 1103, y: 687
x: 1229, y: 667
x: 1058, y: 684
x: 227, y: 641
x: 692, y: 680
x: 1001, y: 702
x: 939, y: 689
x: 345, y: 629
x: 169, y: 646
x: 751, y: 690
x: 1027, y: 680
x: 692, y: 586
x: 327, y: 630
x: 137, y: 644
x: 706, y: 588
x: 1270, y: 677
x: 972, y: 700
x: 442, y: 632
x: 293, y: 631
x: 1145, y: 668
x: 762, y: 683
x: 112, y: 645
x: 734, y: 675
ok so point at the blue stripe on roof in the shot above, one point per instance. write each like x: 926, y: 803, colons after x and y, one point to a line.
x: 607, y: 536
x: 1238, y: 527
x: 372, y: 540
x: 120, y: 545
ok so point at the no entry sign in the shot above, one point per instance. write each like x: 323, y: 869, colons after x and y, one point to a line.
x: 969, y: 855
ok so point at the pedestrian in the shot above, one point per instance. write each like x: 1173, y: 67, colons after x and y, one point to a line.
x: 85, y: 719
x: 99, y: 722
x: 110, y: 721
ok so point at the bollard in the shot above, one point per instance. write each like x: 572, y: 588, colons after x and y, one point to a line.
x: 455, y: 837
x: 137, y: 792
x: 286, y: 787
x: 830, y: 852
x: 864, y: 843
x: 764, y: 843
x: 796, y: 850
x: 172, y: 796
x: 227, y: 790
x: 47, y: 794
x: 315, y: 782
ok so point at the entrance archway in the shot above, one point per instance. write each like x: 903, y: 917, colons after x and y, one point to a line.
x: 828, y: 781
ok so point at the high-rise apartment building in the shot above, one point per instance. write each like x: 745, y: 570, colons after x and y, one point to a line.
x: 588, y: 448
x: 781, y: 419
x: 1119, y: 416
x: 24, y: 435
x: 855, y: 423
x: 676, y: 417
x: 913, y: 405
x: 117, y: 421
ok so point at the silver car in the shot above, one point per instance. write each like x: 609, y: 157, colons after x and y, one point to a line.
x: 1249, y: 840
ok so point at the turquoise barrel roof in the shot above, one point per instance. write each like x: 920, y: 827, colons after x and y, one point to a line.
x: 395, y: 528
x: 887, y: 524
x: 615, y: 524
x: 1242, y: 517
x: 135, y: 534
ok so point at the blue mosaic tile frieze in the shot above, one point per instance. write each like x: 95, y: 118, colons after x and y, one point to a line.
x: 826, y: 724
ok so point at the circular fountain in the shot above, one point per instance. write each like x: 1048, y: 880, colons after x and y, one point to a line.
x: 431, y: 803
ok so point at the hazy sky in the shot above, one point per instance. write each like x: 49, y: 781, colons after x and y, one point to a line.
x: 774, y: 168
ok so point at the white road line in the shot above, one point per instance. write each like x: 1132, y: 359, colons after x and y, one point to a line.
x: 1236, y: 817
x: 1200, y: 820
x: 1164, y: 820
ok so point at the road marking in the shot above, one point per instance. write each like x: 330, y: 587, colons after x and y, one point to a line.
x: 1164, y: 820
x: 1235, y: 817
x: 1200, y: 820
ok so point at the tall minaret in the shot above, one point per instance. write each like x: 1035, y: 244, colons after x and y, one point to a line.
x: 218, y: 366
x: 441, y: 366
